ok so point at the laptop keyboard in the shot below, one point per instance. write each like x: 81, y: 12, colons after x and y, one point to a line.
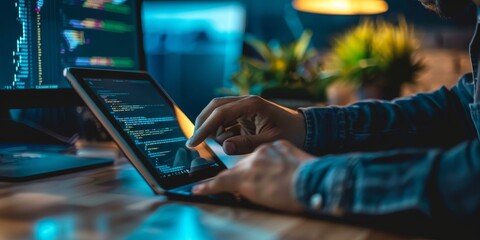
x: 185, y: 192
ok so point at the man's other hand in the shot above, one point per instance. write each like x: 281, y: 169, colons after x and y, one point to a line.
x: 265, y: 177
x: 241, y: 124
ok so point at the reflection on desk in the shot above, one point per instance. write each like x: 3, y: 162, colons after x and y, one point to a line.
x: 114, y: 202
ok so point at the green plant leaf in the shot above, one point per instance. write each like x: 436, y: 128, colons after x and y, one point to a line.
x: 300, y: 47
x: 261, y: 47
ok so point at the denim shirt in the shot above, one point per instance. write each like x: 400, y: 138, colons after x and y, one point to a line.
x: 474, y: 53
x: 416, y: 154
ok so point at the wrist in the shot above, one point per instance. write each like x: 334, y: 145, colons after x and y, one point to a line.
x: 294, y: 190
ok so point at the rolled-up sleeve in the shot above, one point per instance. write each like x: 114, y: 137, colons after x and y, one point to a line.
x: 443, y: 186
x: 325, y: 128
x: 423, y: 120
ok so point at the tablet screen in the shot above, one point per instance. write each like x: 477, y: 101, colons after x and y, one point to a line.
x: 151, y: 124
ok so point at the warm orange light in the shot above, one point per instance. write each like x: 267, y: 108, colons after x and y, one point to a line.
x: 188, y: 128
x: 341, y: 7
x: 186, y: 125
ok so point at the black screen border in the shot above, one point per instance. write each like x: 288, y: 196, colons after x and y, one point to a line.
x: 62, y: 97
x: 81, y: 74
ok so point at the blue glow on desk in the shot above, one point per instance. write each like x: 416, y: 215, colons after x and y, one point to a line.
x: 189, y: 226
x: 46, y: 229
x: 184, y: 222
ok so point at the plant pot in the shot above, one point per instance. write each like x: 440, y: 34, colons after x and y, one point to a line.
x: 341, y: 94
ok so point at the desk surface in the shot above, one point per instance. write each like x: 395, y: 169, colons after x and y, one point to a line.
x: 114, y: 202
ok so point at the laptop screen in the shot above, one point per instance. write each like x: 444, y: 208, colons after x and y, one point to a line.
x: 151, y: 124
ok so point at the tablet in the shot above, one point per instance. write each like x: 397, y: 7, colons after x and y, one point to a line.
x: 147, y: 125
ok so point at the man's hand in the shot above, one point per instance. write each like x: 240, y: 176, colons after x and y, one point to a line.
x: 264, y: 177
x: 241, y: 124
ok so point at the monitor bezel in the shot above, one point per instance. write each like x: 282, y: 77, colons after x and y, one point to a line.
x: 61, y: 97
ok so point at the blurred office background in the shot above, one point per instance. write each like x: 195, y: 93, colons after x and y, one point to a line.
x: 193, y: 47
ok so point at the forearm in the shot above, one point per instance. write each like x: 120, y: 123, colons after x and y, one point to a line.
x: 436, y: 119
x: 440, y: 185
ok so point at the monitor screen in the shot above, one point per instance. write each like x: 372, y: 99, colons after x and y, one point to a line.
x: 41, y: 37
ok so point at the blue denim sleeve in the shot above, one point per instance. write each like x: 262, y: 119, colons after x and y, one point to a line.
x: 439, y: 119
x: 440, y: 184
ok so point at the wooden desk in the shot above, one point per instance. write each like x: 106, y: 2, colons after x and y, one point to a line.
x: 115, y: 203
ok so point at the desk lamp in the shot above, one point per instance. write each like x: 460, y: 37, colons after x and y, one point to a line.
x: 330, y: 7
x: 341, y: 7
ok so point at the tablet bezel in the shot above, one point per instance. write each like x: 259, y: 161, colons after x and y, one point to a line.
x: 77, y: 76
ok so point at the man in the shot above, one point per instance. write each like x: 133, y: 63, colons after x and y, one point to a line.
x: 433, y: 171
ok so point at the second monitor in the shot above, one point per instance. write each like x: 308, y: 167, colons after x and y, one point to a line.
x: 39, y: 39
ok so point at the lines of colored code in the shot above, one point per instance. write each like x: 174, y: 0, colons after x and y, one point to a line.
x: 115, y: 6
x: 104, y: 25
x: 42, y: 37
x: 115, y: 62
x: 74, y: 39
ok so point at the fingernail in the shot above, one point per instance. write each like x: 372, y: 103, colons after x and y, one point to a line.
x: 197, y: 189
x: 229, y: 147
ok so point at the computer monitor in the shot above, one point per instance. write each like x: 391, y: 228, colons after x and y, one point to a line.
x: 40, y: 38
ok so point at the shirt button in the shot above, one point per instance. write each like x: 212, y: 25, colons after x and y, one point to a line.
x: 316, y: 201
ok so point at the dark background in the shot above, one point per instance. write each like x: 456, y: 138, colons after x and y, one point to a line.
x: 191, y: 77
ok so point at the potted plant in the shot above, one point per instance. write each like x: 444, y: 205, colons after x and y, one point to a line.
x: 377, y: 58
x: 290, y: 71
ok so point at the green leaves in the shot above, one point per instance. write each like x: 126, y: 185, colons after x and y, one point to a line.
x: 377, y: 51
x: 301, y: 46
x: 278, y: 65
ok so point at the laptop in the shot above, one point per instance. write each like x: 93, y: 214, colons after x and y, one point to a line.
x: 23, y: 162
x: 151, y: 130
